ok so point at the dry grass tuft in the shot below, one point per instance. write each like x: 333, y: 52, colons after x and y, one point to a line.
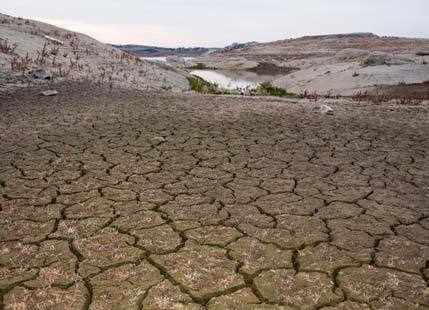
x: 6, y: 48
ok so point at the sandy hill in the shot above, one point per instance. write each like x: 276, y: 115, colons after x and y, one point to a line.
x: 27, y: 44
x: 340, y: 64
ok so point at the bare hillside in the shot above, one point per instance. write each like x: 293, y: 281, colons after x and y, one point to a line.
x: 338, y: 64
x: 26, y: 45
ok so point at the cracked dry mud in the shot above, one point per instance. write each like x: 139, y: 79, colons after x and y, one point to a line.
x: 160, y: 201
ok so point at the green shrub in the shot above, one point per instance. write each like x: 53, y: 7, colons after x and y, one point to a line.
x: 200, y: 85
x: 265, y: 89
x: 199, y: 66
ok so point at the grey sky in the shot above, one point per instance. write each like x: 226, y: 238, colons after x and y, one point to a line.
x: 221, y: 22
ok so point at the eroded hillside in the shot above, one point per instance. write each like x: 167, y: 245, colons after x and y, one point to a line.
x: 27, y: 44
x: 336, y: 64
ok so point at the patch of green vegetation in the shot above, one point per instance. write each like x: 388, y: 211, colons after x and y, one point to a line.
x: 266, y: 88
x: 199, y: 66
x: 268, y: 68
x: 200, y: 85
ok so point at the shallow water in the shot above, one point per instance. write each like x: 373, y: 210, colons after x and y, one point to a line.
x: 155, y: 59
x: 164, y: 59
x: 233, y: 79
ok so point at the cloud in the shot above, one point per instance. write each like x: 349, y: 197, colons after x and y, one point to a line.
x: 126, y: 33
x: 222, y: 22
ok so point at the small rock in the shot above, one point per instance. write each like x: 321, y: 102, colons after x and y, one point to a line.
x: 351, y: 54
x: 159, y: 138
x: 54, y: 40
x: 375, y: 59
x: 423, y: 53
x: 380, y: 59
x: 325, y: 109
x: 41, y: 74
x: 49, y: 93
x: 176, y: 60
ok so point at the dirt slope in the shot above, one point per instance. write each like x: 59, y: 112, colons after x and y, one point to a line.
x: 340, y: 64
x: 24, y: 46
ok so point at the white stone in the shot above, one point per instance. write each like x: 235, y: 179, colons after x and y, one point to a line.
x: 325, y: 109
x: 49, y: 93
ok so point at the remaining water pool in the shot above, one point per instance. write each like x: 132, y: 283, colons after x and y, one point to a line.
x: 164, y: 59
x: 233, y: 79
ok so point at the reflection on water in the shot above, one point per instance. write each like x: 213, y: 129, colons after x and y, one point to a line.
x: 155, y: 59
x: 164, y: 59
x: 232, y: 79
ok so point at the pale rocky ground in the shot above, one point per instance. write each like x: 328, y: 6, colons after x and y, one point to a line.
x: 154, y: 200
x: 332, y: 64
x: 81, y: 57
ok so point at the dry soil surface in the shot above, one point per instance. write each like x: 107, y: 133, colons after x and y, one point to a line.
x: 139, y: 200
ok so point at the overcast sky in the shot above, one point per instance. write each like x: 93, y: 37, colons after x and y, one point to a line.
x: 218, y: 23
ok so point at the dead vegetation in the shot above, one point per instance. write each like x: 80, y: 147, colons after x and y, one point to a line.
x: 413, y: 99
x: 312, y: 96
x: 20, y: 64
x: 6, y: 48
x: 48, y: 56
x: 385, y: 95
x: 77, y: 57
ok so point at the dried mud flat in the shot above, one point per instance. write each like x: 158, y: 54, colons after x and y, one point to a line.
x: 159, y: 201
